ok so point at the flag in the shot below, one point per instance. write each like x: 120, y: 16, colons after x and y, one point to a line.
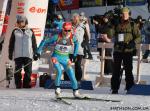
x: 69, y: 4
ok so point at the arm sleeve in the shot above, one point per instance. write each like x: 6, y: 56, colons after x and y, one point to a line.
x: 87, y: 29
x: 137, y: 34
x: 50, y: 40
x: 34, y: 44
x: 12, y: 43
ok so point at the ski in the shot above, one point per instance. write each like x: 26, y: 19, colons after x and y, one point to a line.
x: 61, y: 100
x: 91, y: 99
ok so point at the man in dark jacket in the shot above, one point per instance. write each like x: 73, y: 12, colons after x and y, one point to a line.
x: 105, y: 35
x: 22, y: 47
x: 126, y: 38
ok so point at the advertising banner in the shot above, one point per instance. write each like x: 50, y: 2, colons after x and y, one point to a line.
x: 3, y: 6
x: 69, y: 4
x: 91, y: 3
x: 135, y: 2
x: 36, y: 12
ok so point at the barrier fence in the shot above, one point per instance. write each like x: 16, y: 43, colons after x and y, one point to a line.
x: 102, y: 79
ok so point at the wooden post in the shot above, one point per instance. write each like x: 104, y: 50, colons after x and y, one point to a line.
x: 102, y: 60
x: 138, y: 62
x: 99, y: 80
x: 85, y: 62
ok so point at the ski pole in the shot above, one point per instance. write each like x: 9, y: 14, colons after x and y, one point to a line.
x: 17, y: 71
x: 23, y: 67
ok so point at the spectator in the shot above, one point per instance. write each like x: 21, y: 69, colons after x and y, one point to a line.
x: 140, y: 23
x: 147, y: 38
x: 58, y: 22
x: 105, y: 35
x: 79, y: 31
x: 22, y: 46
x: 127, y: 35
x: 87, y: 36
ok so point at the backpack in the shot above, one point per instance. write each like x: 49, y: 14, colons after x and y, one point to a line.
x: 43, y: 78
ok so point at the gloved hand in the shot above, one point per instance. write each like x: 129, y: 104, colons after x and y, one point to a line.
x: 131, y: 45
x: 36, y: 56
x: 10, y: 57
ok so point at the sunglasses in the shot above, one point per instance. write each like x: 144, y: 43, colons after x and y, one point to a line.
x: 67, y: 30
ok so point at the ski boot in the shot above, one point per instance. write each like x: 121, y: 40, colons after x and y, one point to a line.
x: 77, y: 94
x: 58, y: 93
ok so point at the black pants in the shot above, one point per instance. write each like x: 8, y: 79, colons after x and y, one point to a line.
x: 127, y: 59
x: 86, y: 47
x: 78, y: 69
x: 19, y: 62
x: 146, y: 54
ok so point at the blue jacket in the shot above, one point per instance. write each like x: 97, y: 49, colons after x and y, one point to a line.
x: 63, y: 46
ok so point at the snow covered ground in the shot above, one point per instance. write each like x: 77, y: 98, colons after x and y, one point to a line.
x: 39, y: 99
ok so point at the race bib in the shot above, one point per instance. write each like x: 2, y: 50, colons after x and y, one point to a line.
x: 120, y: 37
x: 63, y: 48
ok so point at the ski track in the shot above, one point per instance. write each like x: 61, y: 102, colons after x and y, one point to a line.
x: 39, y: 99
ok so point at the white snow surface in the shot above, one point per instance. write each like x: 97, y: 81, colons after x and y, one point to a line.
x: 39, y: 99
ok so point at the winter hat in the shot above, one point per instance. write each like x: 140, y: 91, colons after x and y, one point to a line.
x: 125, y: 9
x: 22, y: 18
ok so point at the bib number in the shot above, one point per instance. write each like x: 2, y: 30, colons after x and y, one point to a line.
x: 62, y: 48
